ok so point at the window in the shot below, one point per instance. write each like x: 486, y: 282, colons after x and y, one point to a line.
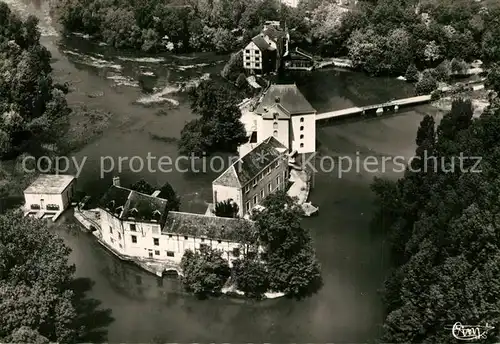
x: 236, y: 252
x: 275, y: 125
x: 202, y: 246
x: 247, y: 64
x: 257, y: 52
x: 262, y: 193
x: 157, y: 253
x: 257, y: 58
x: 269, y: 170
x: 132, y: 227
x: 254, y: 182
x: 257, y: 65
x: 301, y: 136
x: 301, y: 119
x: 120, y: 246
x: 255, y: 199
x: 301, y: 128
x: 110, y: 229
x: 155, y: 229
x: 247, y: 188
x: 278, y: 180
x: 202, y: 239
x: 112, y: 240
x: 150, y: 253
x: 270, y: 187
x: 185, y: 238
x: 248, y: 206
x: 247, y: 51
x: 301, y: 145
x: 119, y: 236
x: 134, y: 239
x: 219, y: 241
x: 247, y: 58
x: 170, y: 254
x: 156, y: 241
x: 170, y: 235
x: 284, y: 175
x: 275, y: 133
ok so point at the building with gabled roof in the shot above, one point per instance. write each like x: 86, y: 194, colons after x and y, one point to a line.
x: 284, y: 113
x: 263, y: 54
x: 254, y: 176
x: 139, y: 227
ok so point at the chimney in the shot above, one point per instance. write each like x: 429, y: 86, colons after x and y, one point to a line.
x: 156, y: 193
x: 116, y: 181
x: 277, y: 99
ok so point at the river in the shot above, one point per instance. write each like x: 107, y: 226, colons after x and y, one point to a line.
x: 354, y: 261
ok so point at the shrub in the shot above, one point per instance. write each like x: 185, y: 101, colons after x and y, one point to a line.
x: 426, y: 85
x: 411, y: 74
x: 436, y: 94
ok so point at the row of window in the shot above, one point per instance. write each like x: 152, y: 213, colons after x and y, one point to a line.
x: 156, y: 241
x: 257, y: 58
x: 235, y: 251
x: 256, y: 198
x: 261, y: 175
x: 257, y: 52
x: 257, y: 64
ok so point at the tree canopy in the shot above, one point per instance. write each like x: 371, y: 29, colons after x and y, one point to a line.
x: 219, y: 128
x: 40, y: 298
x: 441, y: 222
x: 33, y: 108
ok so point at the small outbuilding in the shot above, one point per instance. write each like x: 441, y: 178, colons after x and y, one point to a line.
x: 49, y: 195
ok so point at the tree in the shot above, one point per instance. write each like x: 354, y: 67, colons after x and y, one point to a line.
x: 250, y: 276
x: 234, y: 67
x: 426, y: 84
x: 167, y: 192
x: 411, y: 74
x: 223, y: 41
x: 288, y: 252
x: 205, y: 271
x: 442, y: 225
x: 226, y: 209
x: 493, y: 78
x: 143, y: 186
x: 219, y: 128
x: 38, y: 289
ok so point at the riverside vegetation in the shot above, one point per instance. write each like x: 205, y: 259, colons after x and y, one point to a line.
x: 287, y: 264
x: 443, y: 229
x: 379, y: 36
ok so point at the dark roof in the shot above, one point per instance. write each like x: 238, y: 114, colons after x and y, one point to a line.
x: 198, y: 225
x: 125, y: 204
x: 290, y: 98
x: 250, y: 165
x: 261, y: 43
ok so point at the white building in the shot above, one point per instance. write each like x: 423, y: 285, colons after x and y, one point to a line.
x: 49, y: 195
x: 254, y: 176
x: 137, y: 225
x: 284, y: 113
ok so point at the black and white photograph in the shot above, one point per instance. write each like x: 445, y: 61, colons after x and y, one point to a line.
x: 250, y: 171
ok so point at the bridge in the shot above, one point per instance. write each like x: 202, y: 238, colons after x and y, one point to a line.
x: 393, y: 105
x: 377, y: 108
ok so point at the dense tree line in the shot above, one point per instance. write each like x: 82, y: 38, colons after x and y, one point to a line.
x: 40, y: 299
x: 152, y: 25
x: 219, y: 128
x: 442, y: 222
x: 277, y: 256
x: 33, y: 108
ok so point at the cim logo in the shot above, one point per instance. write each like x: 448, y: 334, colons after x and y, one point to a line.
x: 468, y: 332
